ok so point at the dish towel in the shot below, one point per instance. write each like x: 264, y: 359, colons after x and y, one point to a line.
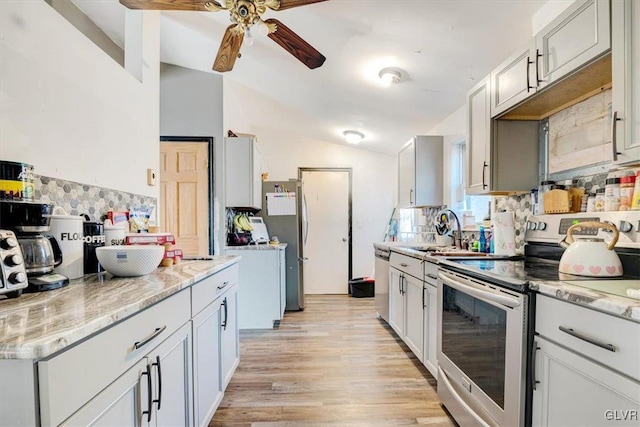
x: 504, y: 233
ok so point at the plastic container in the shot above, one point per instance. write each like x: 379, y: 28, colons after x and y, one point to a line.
x: 482, y: 245
x: 627, y: 183
x: 362, y: 287
x: 591, y: 202
x: 612, y: 194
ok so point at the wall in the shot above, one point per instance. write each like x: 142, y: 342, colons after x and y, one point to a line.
x: 374, y: 175
x: 191, y: 105
x: 68, y: 108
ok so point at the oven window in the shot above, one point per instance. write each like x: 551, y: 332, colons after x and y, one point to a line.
x: 473, y: 338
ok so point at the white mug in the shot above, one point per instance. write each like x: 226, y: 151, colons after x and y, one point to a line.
x: 114, y: 235
x: 68, y: 231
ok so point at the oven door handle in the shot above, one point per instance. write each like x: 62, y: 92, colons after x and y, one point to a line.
x: 442, y: 376
x: 469, y: 288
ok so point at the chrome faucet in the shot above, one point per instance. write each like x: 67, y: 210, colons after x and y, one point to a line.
x: 457, y: 242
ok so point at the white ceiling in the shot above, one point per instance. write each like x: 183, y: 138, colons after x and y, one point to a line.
x: 443, y: 46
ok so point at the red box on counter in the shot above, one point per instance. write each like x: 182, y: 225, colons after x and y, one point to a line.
x: 149, y: 239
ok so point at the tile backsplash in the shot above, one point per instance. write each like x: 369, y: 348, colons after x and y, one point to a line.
x: 79, y: 199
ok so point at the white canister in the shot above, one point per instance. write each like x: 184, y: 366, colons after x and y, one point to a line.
x: 114, y: 235
x: 68, y: 231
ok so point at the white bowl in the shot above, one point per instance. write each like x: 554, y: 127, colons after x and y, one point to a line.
x: 130, y: 260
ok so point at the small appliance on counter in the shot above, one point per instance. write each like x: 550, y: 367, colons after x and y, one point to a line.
x: 41, y: 252
x: 259, y: 234
x: 13, y: 277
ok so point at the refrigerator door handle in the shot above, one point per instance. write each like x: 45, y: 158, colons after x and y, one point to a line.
x: 305, y: 218
x: 303, y: 259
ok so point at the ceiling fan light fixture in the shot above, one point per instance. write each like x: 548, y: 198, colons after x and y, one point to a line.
x: 389, y: 76
x: 353, y: 136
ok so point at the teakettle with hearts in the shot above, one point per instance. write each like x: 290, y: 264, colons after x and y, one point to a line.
x: 590, y: 256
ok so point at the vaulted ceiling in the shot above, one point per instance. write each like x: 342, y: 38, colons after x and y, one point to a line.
x: 442, y: 47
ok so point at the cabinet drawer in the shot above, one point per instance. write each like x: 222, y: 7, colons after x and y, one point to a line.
x: 407, y: 264
x: 70, y: 379
x: 430, y: 272
x: 623, y: 335
x: 207, y: 290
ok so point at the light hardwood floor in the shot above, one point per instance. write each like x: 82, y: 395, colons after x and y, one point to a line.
x: 333, y: 364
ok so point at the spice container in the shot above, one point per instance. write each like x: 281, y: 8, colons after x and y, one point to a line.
x: 627, y: 183
x: 576, y: 193
x: 591, y: 202
x: 599, y: 203
x: 612, y: 194
x: 635, y: 202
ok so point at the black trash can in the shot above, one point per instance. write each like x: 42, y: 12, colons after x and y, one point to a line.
x: 362, y: 287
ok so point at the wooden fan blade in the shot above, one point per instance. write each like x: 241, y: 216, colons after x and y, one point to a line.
x: 193, y: 5
x: 288, y: 4
x: 229, y: 48
x: 295, y: 45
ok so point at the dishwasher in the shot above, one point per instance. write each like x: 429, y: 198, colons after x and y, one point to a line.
x: 382, y: 254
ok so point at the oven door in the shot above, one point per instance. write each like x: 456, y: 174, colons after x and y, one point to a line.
x: 481, y: 344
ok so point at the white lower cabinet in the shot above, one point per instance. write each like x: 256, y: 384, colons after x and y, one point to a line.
x: 396, y: 301
x: 414, y: 315
x: 156, y: 391
x: 430, y: 328
x: 572, y: 390
x: 230, y: 351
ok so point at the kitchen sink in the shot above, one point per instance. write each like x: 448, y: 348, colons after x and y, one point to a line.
x: 460, y: 253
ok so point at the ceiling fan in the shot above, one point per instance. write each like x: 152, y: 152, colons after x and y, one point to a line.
x: 244, y: 14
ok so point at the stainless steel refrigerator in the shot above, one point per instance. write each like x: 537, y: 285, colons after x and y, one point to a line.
x: 284, y: 210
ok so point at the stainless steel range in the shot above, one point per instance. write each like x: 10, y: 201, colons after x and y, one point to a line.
x: 486, y: 315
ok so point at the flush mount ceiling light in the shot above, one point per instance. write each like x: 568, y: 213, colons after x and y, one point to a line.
x: 353, y: 136
x: 389, y: 76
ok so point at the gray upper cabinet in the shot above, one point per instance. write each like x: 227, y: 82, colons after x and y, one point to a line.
x: 478, y: 137
x: 514, y: 80
x: 420, y: 172
x: 243, y: 173
x: 576, y: 37
x: 626, y: 80
x: 580, y: 34
x: 502, y: 155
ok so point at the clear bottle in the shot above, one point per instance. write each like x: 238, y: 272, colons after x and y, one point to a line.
x: 482, y: 241
x: 612, y: 194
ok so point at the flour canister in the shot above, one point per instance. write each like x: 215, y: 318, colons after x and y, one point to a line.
x: 67, y: 229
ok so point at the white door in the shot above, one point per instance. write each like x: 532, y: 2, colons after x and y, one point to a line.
x: 327, y: 246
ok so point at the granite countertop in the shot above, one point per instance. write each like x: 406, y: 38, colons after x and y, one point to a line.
x: 263, y: 247
x: 627, y: 308
x: 37, y: 325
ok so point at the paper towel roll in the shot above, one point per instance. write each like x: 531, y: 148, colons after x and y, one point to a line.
x: 504, y: 233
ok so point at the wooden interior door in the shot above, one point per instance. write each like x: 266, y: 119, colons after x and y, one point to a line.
x: 184, y: 194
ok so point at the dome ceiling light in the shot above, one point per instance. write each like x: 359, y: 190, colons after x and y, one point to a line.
x: 353, y: 136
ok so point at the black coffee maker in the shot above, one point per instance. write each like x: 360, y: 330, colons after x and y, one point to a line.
x: 41, y: 252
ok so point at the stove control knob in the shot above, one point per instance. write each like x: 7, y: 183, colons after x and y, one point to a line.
x: 14, y: 259
x: 8, y: 243
x: 625, y: 226
x: 16, y: 278
x: 533, y: 226
x: 542, y: 226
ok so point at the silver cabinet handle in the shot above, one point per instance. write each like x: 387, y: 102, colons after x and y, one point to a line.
x: 529, y: 62
x: 411, y: 196
x: 224, y: 285
x: 484, y: 168
x: 538, y: 56
x: 614, y: 136
x: 534, y: 350
x: 404, y: 264
x: 147, y: 340
x: 582, y: 337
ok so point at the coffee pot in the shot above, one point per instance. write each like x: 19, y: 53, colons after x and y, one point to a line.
x: 41, y: 253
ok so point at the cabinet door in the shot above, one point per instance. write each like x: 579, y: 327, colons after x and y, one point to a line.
x: 478, y: 137
x: 514, y: 80
x: 625, y: 33
x: 171, y: 374
x: 428, y: 171
x: 407, y: 175
x: 578, y: 35
x: 396, y: 301
x: 120, y: 404
x: 430, y: 328
x: 243, y: 182
x: 230, y: 346
x: 574, y: 391
x: 207, y: 384
x: 414, y: 315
